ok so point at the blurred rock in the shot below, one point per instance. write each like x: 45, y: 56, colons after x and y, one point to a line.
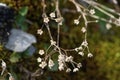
x: 19, y: 41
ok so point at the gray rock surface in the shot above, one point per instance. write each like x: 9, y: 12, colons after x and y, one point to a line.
x: 19, y: 40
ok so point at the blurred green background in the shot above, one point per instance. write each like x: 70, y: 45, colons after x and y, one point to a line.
x: 103, y: 43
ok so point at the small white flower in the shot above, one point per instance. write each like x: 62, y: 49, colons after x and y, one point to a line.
x: 83, y: 29
x: 61, y: 67
x: 69, y: 59
x: 81, y: 53
x: 50, y: 63
x: 39, y: 31
x: 46, y: 20
x: 2, y: 4
x: 3, y: 67
x: 43, y: 64
x: 41, y: 52
x: 92, y: 11
x: 76, y: 21
x: 80, y: 48
x: 108, y: 26
x: 68, y: 70
x: 52, y: 42
x: 52, y: 15
x: 59, y: 19
x: 3, y: 64
x: 90, y: 55
x: 75, y: 69
x: 79, y: 65
x: 76, y: 49
x: 39, y: 59
x: 61, y: 57
x: 84, y: 43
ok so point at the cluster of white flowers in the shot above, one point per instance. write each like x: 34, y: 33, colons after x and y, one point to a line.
x: 69, y: 59
x: 43, y: 64
x: 61, y: 62
x: 64, y: 58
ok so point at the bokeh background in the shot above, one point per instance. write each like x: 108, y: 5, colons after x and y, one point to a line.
x: 103, y: 43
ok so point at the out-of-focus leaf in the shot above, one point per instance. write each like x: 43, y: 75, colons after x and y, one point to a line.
x: 15, y: 57
x: 20, y: 21
x: 23, y: 11
x: 21, y: 17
